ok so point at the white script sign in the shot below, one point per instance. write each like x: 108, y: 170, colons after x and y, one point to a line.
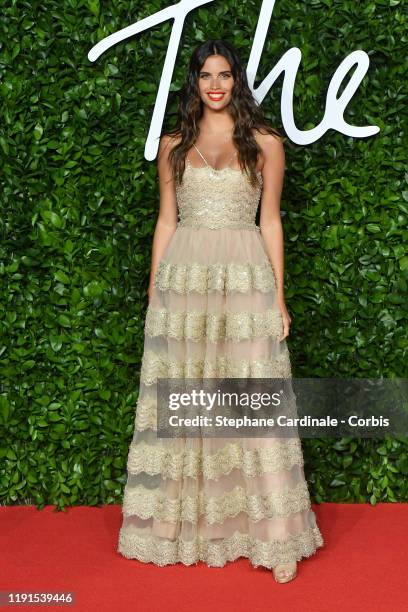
x: 289, y: 63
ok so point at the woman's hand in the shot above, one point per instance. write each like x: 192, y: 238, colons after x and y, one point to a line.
x: 150, y: 291
x: 286, y: 319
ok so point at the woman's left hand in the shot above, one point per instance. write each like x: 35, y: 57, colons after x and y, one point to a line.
x: 286, y: 320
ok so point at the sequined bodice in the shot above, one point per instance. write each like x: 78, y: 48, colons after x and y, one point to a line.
x: 217, y: 198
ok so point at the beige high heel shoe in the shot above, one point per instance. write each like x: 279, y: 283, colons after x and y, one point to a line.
x: 285, y: 572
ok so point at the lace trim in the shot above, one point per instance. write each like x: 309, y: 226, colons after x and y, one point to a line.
x: 146, y: 414
x: 228, y: 277
x: 156, y: 366
x: 151, y: 549
x: 195, y: 325
x: 146, y: 504
x: 164, y: 460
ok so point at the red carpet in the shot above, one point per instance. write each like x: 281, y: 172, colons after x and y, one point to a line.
x: 363, y: 565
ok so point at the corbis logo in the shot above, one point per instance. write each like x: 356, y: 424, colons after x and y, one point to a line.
x: 289, y: 63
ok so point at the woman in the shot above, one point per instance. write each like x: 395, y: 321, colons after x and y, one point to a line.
x: 216, y: 309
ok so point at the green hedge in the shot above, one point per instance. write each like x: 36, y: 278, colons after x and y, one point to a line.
x: 79, y: 205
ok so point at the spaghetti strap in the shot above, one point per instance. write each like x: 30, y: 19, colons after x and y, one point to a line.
x: 201, y: 155
x: 199, y: 152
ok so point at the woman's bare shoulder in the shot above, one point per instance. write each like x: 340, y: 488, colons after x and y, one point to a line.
x: 269, y: 143
x: 265, y: 137
x: 169, y: 141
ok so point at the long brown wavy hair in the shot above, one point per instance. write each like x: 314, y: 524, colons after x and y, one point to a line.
x: 244, y: 109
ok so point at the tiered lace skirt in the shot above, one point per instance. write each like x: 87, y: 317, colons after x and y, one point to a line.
x: 214, y: 313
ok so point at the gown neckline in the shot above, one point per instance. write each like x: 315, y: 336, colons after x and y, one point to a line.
x: 212, y: 167
x: 208, y: 167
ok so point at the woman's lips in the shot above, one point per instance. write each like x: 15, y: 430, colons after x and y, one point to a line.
x: 216, y: 97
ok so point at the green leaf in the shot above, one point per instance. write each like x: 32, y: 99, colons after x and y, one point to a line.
x: 62, y: 277
x: 38, y: 131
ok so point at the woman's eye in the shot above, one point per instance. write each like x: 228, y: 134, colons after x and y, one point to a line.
x: 223, y: 76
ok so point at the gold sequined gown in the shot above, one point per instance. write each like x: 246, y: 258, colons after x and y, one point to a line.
x: 214, y: 313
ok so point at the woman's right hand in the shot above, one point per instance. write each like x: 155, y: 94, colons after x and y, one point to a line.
x: 150, y: 292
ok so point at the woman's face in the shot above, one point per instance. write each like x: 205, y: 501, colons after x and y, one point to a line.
x: 215, y: 77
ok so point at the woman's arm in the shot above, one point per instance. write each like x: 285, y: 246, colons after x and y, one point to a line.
x: 270, y: 223
x: 167, y: 219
